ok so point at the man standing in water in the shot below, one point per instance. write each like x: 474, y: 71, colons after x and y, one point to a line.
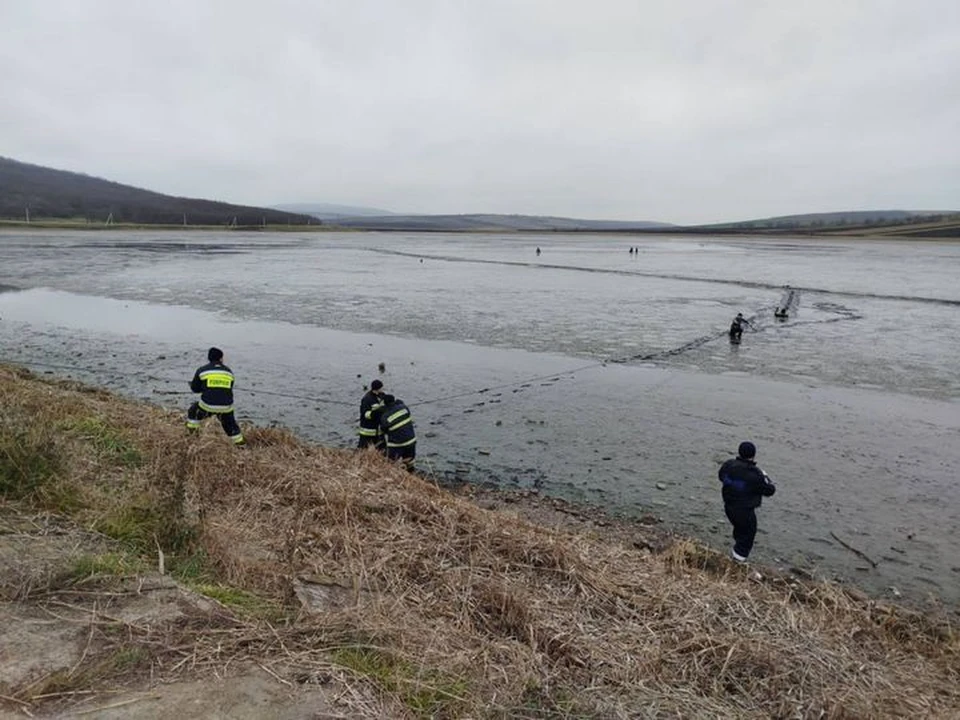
x: 370, y: 406
x: 736, y: 327
x: 214, y: 382
x: 397, y: 425
x: 744, y: 487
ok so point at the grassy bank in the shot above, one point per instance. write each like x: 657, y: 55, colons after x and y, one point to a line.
x: 332, y: 563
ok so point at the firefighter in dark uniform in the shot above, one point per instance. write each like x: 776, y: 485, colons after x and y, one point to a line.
x: 744, y: 487
x: 214, y: 382
x: 397, y: 425
x: 370, y: 405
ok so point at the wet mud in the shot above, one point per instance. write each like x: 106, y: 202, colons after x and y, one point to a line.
x: 866, y: 468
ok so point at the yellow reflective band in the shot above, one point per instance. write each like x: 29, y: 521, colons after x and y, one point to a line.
x: 217, y: 379
x: 403, y: 444
x: 400, y: 424
x: 193, y: 424
x: 208, y: 373
x: 366, y: 432
x: 237, y: 439
x: 398, y: 413
x: 215, y: 409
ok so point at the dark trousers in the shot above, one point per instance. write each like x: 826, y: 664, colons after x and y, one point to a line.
x: 376, y: 441
x: 744, y: 521
x: 228, y: 422
x: 405, y: 454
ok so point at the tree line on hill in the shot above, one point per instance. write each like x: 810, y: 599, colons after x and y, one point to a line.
x: 35, y: 192
x: 839, y: 220
x: 32, y: 192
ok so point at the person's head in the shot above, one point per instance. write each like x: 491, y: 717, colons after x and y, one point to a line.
x: 739, y: 316
x: 747, y: 450
x: 389, y: 399
x: 214, y: 354
x: 376, y: 387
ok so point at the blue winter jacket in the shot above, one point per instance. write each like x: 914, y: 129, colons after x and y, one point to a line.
x: 744, y: 483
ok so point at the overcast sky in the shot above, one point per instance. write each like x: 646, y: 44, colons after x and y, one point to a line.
x: 674, y: 110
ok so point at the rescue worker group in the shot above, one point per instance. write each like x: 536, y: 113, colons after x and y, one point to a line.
x: 385, y: 421
x: 386, y: 424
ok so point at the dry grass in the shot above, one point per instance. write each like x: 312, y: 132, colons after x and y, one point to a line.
x: 455, y: 611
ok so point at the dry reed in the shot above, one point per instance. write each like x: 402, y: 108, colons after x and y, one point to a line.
x: 455, y: 611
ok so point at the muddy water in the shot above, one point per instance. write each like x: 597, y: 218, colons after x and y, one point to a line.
x: 587, y: 373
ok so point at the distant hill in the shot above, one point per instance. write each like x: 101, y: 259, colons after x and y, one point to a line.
x: 49, y: 193
x: 331, y: 211
x: 833, y: 220
x: 491, y: 223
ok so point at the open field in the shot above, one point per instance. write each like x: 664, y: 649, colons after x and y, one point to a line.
x: 948, y: 228
x: 143, y: 567
x: 81, y: 224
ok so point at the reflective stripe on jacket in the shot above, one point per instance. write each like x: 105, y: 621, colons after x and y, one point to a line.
x: 214, y: 382
x: 370, y: 406
x: 397, y: 424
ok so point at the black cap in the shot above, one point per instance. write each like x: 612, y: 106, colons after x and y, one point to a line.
x: 376, y: 385
x: 388, y: 399
x: 747, y: 450
x: 214, y: 354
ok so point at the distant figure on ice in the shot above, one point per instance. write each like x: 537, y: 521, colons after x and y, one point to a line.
x: 538, y: 252
x: 214, y: 382
x: 744, y: 487
x: 396, y: 423
x: 736, y: 327
x: 370, y: 406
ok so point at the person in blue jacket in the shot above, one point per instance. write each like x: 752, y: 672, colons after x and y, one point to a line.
x: 744, y: 487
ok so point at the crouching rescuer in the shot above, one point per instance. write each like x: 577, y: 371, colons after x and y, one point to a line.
x: 214, y: 382
x: 744, y: 487
x: 397, y: 426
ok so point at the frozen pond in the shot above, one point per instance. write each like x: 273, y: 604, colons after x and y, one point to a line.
x: 588, y: 372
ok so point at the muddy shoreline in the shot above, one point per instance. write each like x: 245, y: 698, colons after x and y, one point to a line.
x: 647, y: 532
x: 852, y: 403
x: 511, y: 442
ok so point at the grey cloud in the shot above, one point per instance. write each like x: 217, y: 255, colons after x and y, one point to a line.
x: 683, y: 112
